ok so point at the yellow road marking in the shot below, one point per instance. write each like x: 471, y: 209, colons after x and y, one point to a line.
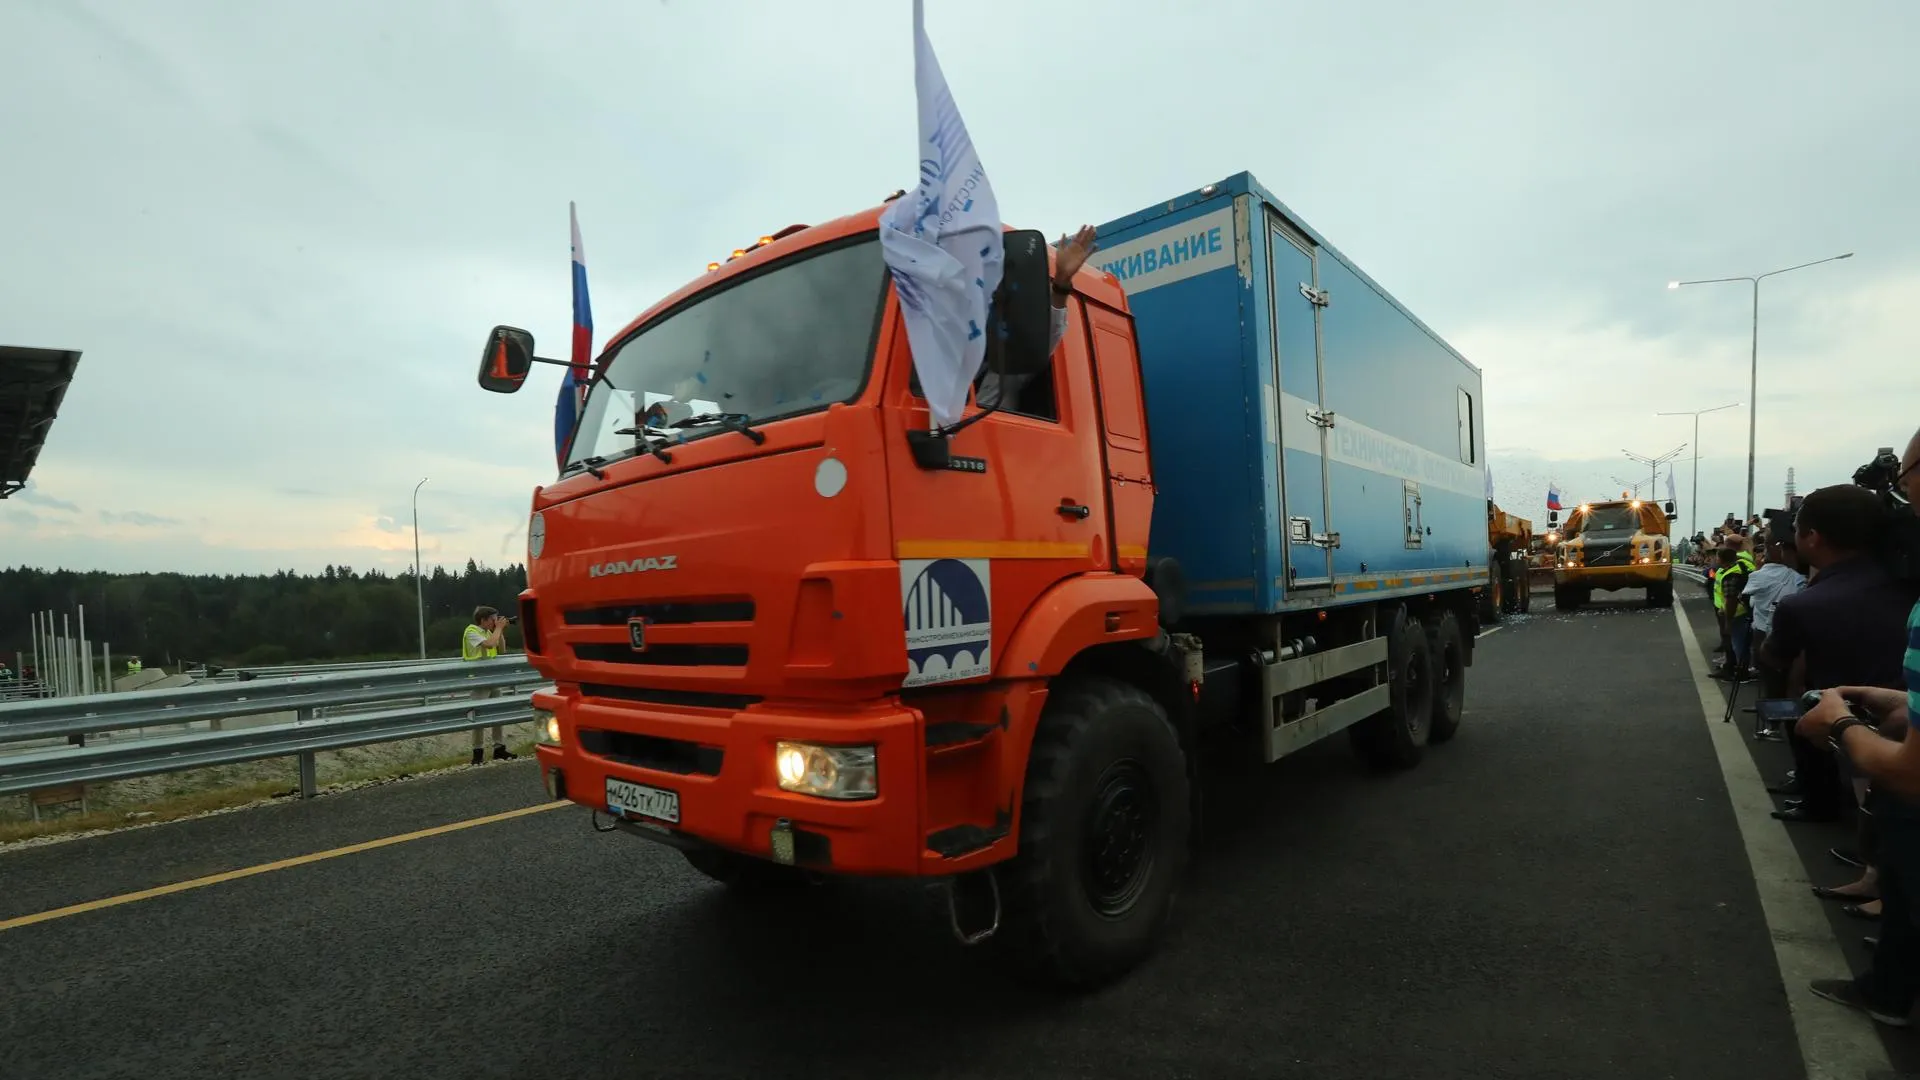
x: 264, y: 868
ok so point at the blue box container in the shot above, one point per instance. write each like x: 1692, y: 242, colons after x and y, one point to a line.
x: 1314, y: 444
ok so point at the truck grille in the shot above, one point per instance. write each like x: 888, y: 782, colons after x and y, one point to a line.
x: 663, y: 655
x: 653, y: 752
x: 734, y: 609
x: 1619, y: 554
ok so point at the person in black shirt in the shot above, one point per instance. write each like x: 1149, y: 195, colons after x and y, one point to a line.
x: 1846, y: 628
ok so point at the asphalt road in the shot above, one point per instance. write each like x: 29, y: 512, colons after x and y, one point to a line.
x: 1562, y: 892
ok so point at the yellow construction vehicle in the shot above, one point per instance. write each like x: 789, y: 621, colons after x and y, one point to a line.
x: 1620, y: 544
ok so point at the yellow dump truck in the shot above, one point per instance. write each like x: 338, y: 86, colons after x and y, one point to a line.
x: 1509, y: 539
x: 1622, y: 544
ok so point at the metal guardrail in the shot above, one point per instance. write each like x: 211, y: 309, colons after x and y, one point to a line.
x: 408, y: 692
x: 245, y: 672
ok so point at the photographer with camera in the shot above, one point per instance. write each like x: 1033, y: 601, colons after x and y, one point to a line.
x: 1846, y: 628
x: 483, y: 639
x: 1868, y: 723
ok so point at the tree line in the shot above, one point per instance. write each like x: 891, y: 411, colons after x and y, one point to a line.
x: 177, y: 620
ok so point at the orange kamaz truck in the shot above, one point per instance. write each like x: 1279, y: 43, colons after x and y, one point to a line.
x: 796, y: 632
x: 1623, y: 544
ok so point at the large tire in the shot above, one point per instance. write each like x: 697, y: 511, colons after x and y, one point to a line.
x: 1566, y: 598
x: 1447, y: 649
x: 1526, y: 588
x: 1104, y: 824
x: 1396, y: 738
x: 1510, y: 587
x: 1660, y: 594
x: 744, y: 873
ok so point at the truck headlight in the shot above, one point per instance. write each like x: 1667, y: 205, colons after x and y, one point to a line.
x: 829, y: 772
x: 546, y: 727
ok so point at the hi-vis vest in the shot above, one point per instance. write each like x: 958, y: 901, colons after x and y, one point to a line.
x: 1742, y: 564
x: 468, y: 652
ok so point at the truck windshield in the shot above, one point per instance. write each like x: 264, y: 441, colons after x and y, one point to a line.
x: 791, y: 339
x: 1608, y: 519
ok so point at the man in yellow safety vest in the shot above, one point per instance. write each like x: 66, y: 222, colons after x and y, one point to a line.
x: 481, y: 641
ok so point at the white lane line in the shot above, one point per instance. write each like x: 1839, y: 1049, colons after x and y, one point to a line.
x: 1488, y: 630
x: 1836, y: 1043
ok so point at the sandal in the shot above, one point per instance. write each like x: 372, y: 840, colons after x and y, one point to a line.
x: 1826, y: 893
x: 1859, y: 912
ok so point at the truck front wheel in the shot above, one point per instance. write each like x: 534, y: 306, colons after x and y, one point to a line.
x: 1660, y: 594
x: 1103, y: 836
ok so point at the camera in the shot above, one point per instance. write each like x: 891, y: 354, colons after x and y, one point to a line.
x: 511, y: 619
x: 1900, y: 531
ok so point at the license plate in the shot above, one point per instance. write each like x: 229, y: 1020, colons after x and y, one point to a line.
x: 643, y: 801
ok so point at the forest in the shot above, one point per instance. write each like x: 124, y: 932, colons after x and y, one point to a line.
x: 178, y: 620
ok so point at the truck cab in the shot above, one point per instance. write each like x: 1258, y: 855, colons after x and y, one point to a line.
x: 752, y: 499
x: 1606, y: 546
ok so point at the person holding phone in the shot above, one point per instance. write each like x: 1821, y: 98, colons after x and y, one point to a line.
x: 482, y: 640
x: 1871, y: 726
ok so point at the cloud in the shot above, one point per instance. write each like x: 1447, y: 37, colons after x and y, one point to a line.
x: 32, y: 495
x: 137, y: 518
x: 280, y: 278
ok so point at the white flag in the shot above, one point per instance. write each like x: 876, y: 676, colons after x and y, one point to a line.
x: 943, y: 244
x: 1671, y: 497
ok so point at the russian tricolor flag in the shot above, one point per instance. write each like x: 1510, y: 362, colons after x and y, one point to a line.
x: 573, y: 388
x: 1553, y: 497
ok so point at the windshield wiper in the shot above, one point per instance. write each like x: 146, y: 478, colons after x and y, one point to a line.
x: 589, y: 463
x: 656, y: 448
x: 732, y: 421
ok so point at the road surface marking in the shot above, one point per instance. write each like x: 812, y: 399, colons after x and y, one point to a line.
x: 1835, y: 1041
x: 1488, y: 630
x: 264, y: 868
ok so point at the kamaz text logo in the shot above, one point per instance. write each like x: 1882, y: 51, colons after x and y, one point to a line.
x: 633, y: 566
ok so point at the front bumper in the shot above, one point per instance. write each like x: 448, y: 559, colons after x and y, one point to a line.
x: 1631, y: 576
x: 721, y: 765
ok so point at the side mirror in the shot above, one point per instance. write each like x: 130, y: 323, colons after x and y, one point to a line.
x: 1022, y: 312
x: 1553, y: 517
x: 1668, y: 508
x: 507, y: 359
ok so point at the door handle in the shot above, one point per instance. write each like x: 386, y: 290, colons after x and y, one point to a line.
x: 1070, y: 509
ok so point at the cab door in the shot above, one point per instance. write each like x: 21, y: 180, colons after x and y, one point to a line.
x: 1295, y: 300
x: 1023, y: 505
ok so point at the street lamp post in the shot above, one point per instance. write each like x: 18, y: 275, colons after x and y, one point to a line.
x: 1753, y: 362
x: 419, y: 587
x: 1693, y: 511
x: 1653, y: 465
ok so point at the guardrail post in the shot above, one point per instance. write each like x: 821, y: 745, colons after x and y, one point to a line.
x: 309, y: 772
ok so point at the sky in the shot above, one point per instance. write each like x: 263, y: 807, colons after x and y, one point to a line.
x: 279, y: 232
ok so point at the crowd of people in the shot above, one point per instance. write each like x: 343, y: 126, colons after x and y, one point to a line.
x: 1808, y: 600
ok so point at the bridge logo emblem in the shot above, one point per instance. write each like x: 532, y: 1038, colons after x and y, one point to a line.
x: 948, y: 612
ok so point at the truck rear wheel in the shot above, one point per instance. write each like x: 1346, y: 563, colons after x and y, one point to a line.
x: 1510, y: 588
x: 1447, y: 647
x: 1395, y: 738
x: 744, y: 873
x: 1103, y: 836
x: 1493, y: 597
